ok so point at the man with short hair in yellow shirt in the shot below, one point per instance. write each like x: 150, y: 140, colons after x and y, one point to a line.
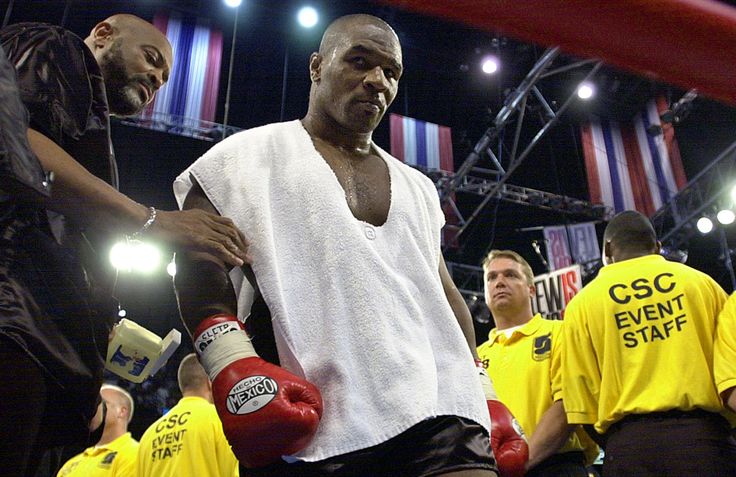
x: 522, y: 358
x: 115, y: 453
x: 638, y: 360
x: 188, y: 441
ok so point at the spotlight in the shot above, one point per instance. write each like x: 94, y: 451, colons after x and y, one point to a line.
x: 132, y: 255
x: 233, y: 3
x: 704, y: 225
x: 489, y: 65
x: 122, y: 313
x: 147, y: 257
x: 586, y: 90
x: 171, y: 268
x: 726, y: 216
x: 307, y: 17
x: 120, y: 256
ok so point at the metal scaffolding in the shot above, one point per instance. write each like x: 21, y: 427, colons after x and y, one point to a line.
x: 479, y: 183
x: 492, y: 183
x: 673, y: 222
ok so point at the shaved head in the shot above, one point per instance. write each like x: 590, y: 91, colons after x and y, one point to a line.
x: 130, y: 25
x: 630, y: 234
x: 355, y: 76
x: 135, y: 59
x: 125, y: 20
x: 336, y: 31
x: 118, y: 397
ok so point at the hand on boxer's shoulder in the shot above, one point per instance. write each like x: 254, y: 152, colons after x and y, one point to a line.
x: 201, y: 231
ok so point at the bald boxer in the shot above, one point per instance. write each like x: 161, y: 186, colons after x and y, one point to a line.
x: 56, y: 302
x: 357, y: 353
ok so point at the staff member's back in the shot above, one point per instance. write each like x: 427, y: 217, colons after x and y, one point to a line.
x: 188, y: 441
x: 638, y: 360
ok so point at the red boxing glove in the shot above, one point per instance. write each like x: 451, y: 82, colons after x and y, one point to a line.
x: 507, y: 438
x: 507, y: 441
x: 266, y: 411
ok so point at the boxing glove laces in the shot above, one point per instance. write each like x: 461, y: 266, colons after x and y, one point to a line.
x: 266, y: 411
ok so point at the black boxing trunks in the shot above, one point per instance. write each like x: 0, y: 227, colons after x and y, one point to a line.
x: 432, y: 447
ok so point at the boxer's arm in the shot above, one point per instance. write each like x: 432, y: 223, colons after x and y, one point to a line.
x: 202, y: 283
x: 284, y: 422
x: 459, y: 307
x: 81, y: 195
x: 550, y: 435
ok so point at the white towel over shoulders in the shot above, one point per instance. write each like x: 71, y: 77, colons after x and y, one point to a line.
x: 357, y: 309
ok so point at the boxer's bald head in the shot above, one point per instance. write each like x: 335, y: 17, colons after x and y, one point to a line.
x: 355, y: 75
x: 337, y: 31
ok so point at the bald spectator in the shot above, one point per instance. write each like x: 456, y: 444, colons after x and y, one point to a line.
x: 115, y: 453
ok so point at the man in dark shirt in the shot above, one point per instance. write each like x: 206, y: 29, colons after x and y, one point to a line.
x: 56, y: 306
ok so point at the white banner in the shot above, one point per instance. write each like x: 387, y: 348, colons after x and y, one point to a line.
x: 555, y: 290
x: 560, y: 238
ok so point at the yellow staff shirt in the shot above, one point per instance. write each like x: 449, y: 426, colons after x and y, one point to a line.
x: 114, y: 459
x: 188, y: 441
x: 639, y: 339
x: 525, y: 370
x: 724, y: 361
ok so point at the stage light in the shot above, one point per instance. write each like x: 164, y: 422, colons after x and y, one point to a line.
x: 122, y: 313
x: 586, y: 90
x: 133, y: 255
x: 726, y: 216
x: 704, y: 225
x: 120, y: 256
x: 171, y: 268
x: 307, y: 17
x: 233, y: 3
x: 147, y: 258
x: 489, y: 65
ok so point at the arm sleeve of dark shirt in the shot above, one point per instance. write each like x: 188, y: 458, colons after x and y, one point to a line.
x: 61, y: 86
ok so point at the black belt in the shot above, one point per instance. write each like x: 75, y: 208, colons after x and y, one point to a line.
x: 670, y: 414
